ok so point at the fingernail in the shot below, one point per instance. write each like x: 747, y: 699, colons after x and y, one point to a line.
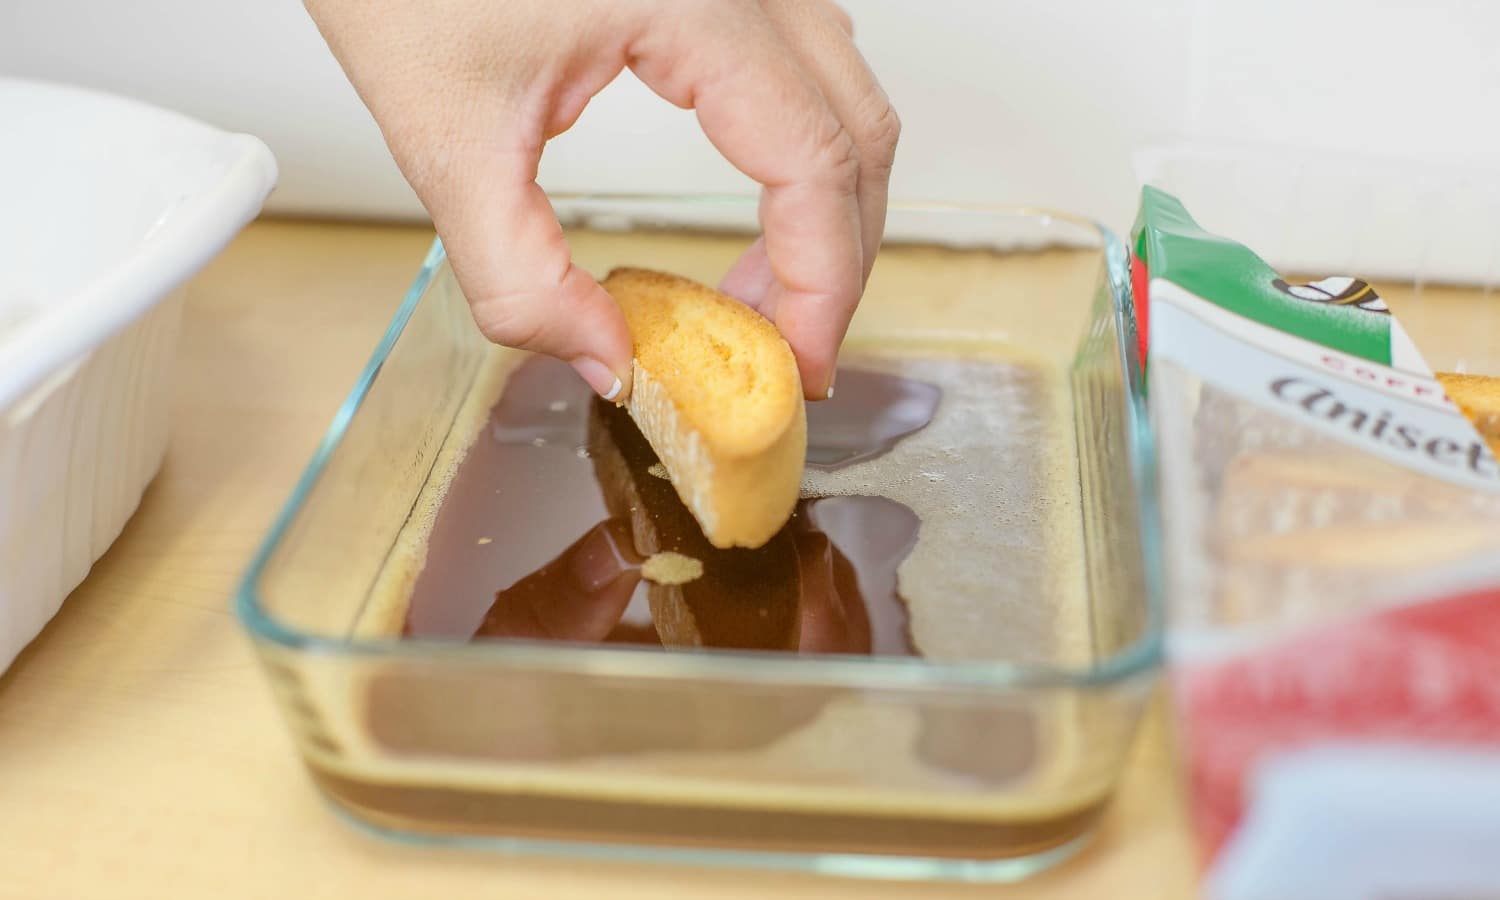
x: 599, y: 377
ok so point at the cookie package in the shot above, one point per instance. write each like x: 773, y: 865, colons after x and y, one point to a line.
x: 1331, y: 518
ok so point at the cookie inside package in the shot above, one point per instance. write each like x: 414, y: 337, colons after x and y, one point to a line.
x: 1331, y: 508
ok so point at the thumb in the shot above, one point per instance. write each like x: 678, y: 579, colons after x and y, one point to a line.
x: 513, y: 263
x: 466, y: 101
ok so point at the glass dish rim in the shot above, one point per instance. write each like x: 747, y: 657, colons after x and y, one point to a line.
x: 1140, y: 656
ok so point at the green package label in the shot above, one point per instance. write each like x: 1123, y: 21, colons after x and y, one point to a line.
x: 1230, y: 276
x: 1326, y: 355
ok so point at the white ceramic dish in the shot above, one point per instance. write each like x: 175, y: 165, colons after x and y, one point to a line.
x: 107, y: 206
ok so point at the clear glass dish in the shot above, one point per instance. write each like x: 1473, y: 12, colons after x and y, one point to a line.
x: 988, y: 759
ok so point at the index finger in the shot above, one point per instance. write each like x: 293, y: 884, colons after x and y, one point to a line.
x: 765, y: 113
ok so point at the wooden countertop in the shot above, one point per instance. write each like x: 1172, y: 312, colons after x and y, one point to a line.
x: 141, y: 751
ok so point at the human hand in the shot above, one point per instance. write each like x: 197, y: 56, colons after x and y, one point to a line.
x: 467, y: 92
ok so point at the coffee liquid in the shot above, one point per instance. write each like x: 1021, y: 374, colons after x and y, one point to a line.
x: 540, y: 536
x: 554, y: 508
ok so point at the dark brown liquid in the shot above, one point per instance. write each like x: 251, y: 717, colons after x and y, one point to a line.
x: 558, y: 489
x: 551, y: 513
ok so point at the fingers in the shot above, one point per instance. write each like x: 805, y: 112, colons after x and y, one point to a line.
x: 509, y: 254
x: 765, y: 113
x: 750, y: 279
x: 467, y: 99
x: 579, y: 596
x: 466, y: 121
x: 819, y: 33
x: 841, y: 16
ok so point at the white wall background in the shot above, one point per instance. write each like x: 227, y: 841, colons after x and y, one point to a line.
x: 1003, y: 100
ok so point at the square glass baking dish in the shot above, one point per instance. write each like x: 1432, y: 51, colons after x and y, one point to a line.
x: 988, y: 760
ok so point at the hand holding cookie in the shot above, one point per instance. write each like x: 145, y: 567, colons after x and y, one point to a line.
x: 467, y: 93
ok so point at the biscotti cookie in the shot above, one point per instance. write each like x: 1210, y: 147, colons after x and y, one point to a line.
x: 717, y: 394
x: 1479, y: 398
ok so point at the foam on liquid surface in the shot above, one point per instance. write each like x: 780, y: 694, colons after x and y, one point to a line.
x: 993, y: 479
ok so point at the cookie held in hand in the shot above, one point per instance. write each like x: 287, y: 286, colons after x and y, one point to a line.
x: 717, y: 394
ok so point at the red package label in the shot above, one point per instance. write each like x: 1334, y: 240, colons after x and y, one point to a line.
x: 1140, y: 286
x: 1428, y: 673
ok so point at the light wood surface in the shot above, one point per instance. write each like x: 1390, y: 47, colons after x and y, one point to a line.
x: 140, y: 753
